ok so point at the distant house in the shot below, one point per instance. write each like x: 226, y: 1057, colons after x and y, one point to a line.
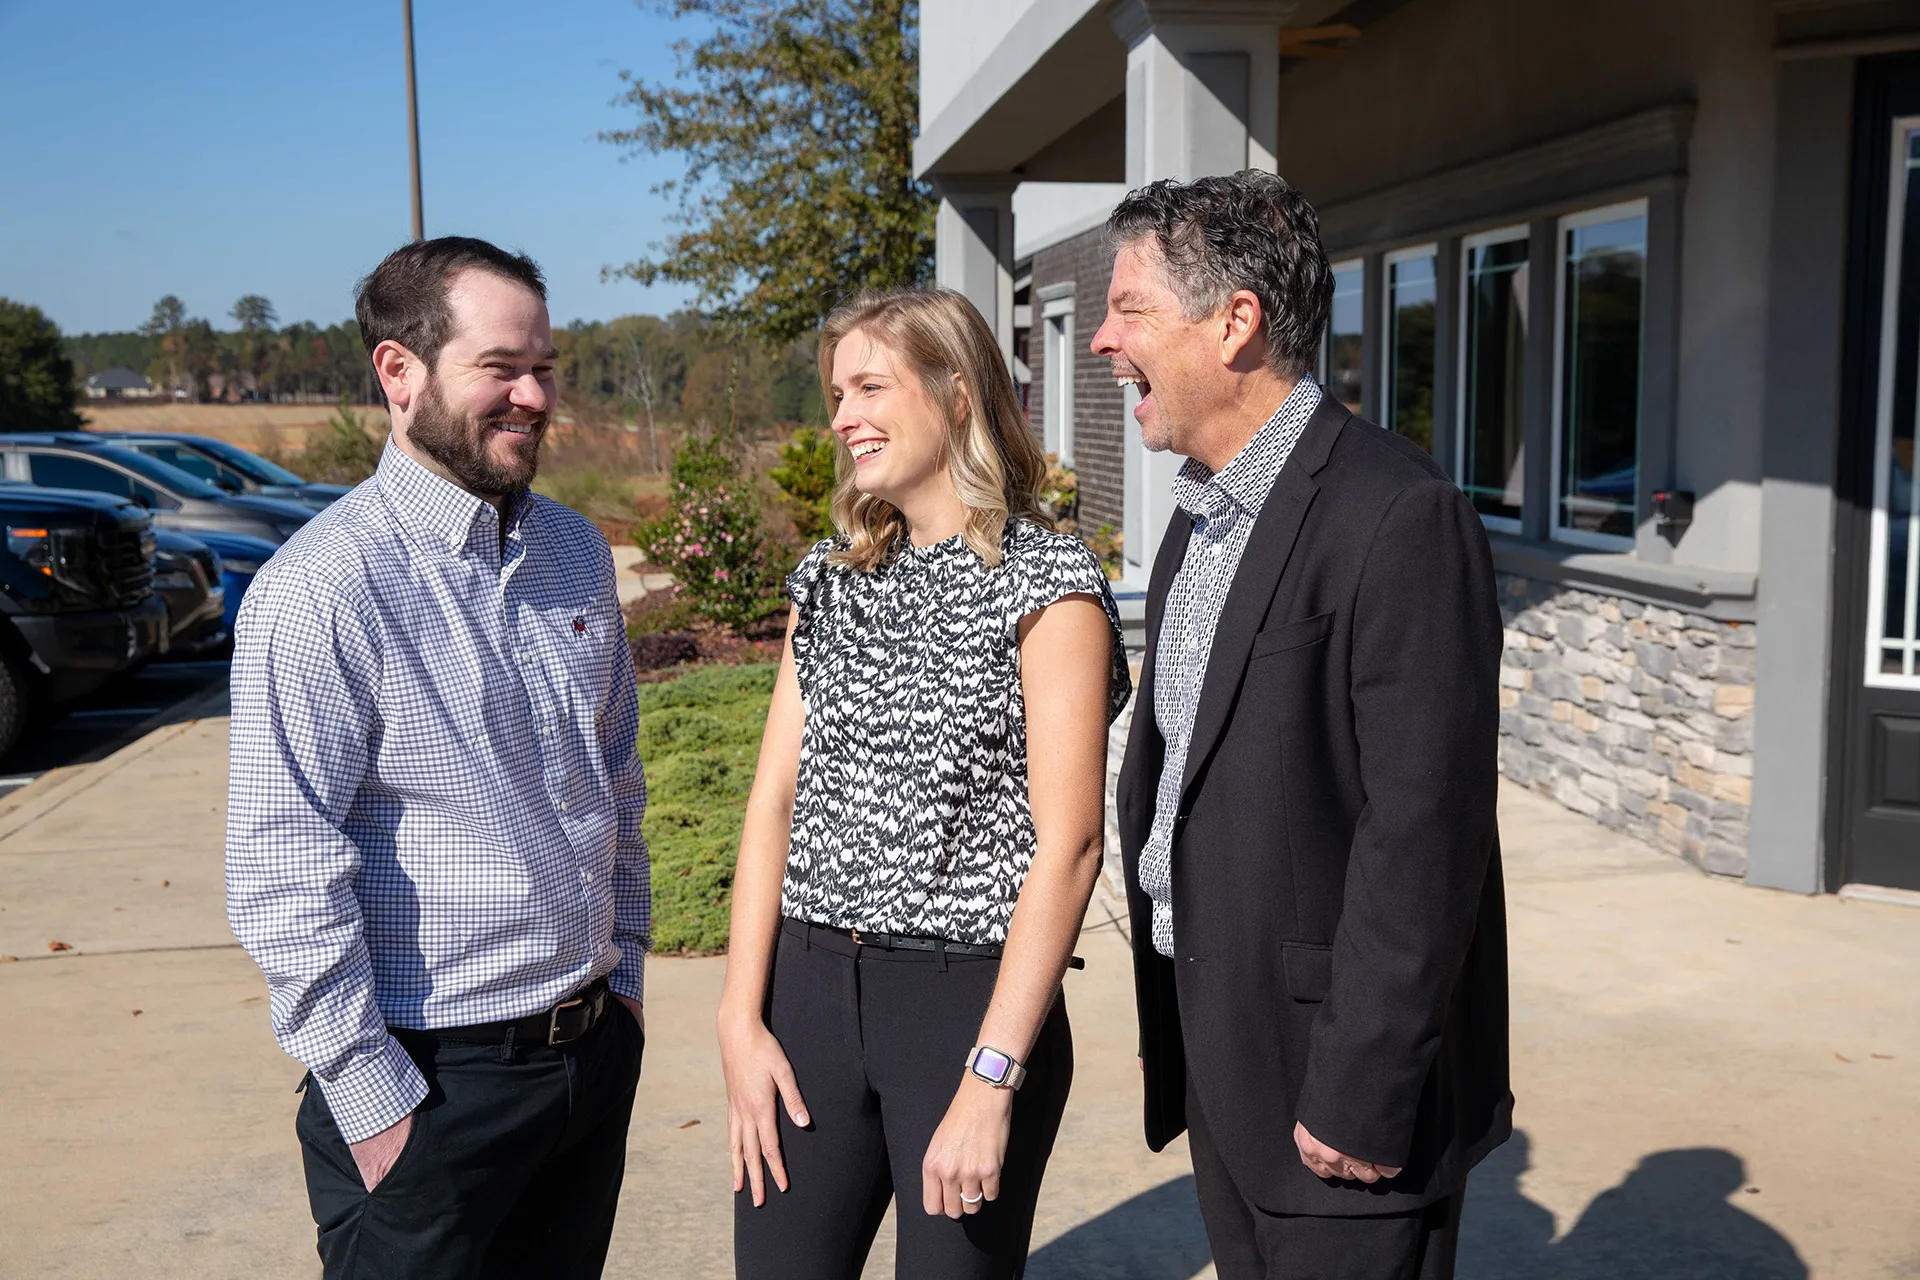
x: 118, y: 384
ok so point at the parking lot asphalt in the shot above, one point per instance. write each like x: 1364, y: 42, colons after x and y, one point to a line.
x: 92, y: 727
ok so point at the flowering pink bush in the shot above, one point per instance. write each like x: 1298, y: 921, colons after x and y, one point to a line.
x: 710, y: 539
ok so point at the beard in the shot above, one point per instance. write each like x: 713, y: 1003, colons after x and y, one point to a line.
x: 460, y: 443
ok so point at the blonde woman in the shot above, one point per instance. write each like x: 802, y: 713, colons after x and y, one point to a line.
x: 924, y: 830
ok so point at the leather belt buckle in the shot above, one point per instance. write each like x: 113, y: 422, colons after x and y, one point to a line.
x: 569, y: 1020
x: 858, y: 941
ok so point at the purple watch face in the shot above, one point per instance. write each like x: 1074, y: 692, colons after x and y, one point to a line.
x: 991, y: 1065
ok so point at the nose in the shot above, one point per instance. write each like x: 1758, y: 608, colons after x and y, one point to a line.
x: 843, y: 421
x: 1104, y: 344
x: 531, y: 394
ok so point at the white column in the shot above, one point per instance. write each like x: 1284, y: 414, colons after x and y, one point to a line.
x: 1203, y: 98
x: 973, y: 247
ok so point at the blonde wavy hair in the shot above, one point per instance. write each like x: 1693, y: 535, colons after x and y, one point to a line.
x: 990, y: 451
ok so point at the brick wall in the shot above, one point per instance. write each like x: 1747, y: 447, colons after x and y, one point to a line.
x: 1638, y: 716
x: 1098, y: 412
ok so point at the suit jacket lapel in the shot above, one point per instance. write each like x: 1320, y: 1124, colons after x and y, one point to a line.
x: 1143, y: 751
x: 1269, y: 548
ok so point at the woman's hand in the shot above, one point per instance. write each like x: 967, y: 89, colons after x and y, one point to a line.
x: 757, y: 1071
x: 962, y: 1168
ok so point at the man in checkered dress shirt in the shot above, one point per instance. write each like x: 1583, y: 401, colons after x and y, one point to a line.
x: 1223, y: 508
x: 433, y: 846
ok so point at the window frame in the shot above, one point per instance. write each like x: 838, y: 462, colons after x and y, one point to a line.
x: 1597, y: 215
x: 1879, y: 528
x: 1388, y: 261
x: 1507, y: 234
x: 1324, y: 369
x: 1057, y: 436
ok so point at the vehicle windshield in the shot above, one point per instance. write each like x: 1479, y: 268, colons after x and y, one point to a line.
x: 251, y: 465
x: 173, y: 478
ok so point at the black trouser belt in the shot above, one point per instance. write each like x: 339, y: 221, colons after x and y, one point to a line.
x: 911, y: 942
x: 564, y: 1022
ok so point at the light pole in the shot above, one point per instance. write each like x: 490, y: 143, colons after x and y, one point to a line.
x: 413, y: 122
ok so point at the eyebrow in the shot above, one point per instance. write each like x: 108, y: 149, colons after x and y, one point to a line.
x: 862, y: 375
x: 513, y: 353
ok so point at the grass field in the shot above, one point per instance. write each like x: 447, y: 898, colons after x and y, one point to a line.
x: 700, y: 741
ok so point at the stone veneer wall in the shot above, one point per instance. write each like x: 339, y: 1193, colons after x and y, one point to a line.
x: 1639, y: 716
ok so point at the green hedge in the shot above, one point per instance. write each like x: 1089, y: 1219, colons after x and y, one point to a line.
x: 699, y: 741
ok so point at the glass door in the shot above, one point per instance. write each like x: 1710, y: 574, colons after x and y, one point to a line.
x: 1880, y: 829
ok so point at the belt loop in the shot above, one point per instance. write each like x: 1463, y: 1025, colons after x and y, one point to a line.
x: 806, y: 936
x: 940, y: 950
x: 507, y: 1045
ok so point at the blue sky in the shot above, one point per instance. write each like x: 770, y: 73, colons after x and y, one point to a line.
x: 216, y: 148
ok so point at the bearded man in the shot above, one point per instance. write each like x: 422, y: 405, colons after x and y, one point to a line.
x: 433, y: 831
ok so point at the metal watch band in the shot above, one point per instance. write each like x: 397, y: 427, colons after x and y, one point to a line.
x: 1014, y: 1075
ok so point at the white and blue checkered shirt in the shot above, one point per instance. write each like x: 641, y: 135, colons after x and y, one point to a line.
x: 1224, y: 508
x: 434, y: 812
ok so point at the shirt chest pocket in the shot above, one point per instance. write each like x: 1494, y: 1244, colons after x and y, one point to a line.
x: 576, y: 648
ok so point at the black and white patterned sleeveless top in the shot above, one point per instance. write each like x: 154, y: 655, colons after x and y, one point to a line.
x: 911, y: 811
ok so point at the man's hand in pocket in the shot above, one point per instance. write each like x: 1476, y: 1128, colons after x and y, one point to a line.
x: 376, y: 1155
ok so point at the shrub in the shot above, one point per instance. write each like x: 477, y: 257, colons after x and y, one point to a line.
x: 347, y: 454
x: 711, y: 539
x: 700, y: 741
x: 1060, y: 493
x: 806, y: 474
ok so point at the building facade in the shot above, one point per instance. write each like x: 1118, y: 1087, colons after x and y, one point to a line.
x: 1645, y: 278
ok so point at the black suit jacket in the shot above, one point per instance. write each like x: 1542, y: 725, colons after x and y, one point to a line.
x: 1339, y: 920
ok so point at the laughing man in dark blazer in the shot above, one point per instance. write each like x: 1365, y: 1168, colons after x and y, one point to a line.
x: 1307, y: 805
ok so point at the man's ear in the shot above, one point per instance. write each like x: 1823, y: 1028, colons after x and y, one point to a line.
x: 400, y: 372
x: 1242, y: 329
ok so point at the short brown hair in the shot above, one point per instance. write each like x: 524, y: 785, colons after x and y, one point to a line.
x: 404, y: 299
x: 996, y: 463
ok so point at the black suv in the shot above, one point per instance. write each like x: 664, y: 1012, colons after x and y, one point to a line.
x: 75, y: 460
x: 76, y: 579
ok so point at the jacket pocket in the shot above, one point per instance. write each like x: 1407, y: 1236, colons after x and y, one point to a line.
x: 1293, y: 635
x: 1309, y: 969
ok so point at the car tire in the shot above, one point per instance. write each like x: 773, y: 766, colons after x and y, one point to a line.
x: 15, y: 703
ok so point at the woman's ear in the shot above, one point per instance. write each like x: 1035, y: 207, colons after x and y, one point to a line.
x: 962, y: 402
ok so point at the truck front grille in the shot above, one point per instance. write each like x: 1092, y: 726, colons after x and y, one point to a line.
x: 126, y: 564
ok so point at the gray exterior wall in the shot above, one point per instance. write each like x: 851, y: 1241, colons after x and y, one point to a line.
x: 1444, y: 83
x: 1098, y: 415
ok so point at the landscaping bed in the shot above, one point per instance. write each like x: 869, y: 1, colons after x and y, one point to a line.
x: 699, y: 741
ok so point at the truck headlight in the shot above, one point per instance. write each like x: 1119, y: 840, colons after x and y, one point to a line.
x: 59, y: 554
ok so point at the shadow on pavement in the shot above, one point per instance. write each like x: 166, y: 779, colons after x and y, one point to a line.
x: 1673, y: 1215
x: 1154, y: 1236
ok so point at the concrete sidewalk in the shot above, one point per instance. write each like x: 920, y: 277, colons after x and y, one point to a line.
x: 1715, y: 1082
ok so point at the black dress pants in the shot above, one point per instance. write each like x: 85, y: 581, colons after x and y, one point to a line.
x: 512, y: 1168
x: 1251, y: 1244
x: 878, y: 1041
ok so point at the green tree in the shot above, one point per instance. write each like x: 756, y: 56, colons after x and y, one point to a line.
x: 37, y: 390
x: 806, y: 474
x: 796, y: 119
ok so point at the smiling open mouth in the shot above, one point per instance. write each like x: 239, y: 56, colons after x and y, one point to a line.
x: 866, y: 449
x: 1134, y: 379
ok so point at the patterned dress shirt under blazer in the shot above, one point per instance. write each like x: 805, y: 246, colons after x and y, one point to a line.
x: 434, y: 814
x: 1223, y: 507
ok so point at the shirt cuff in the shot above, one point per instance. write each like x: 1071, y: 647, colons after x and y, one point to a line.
x: 374, y: 1092
x: 629, y: 977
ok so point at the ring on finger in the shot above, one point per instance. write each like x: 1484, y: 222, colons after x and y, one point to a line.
x: 967, y: 1199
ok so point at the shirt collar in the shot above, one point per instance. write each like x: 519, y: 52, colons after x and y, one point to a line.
x: 1245, y: 482
x: 437, y: 507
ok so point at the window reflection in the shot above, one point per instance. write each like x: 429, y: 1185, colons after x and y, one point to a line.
x: 1602, y: 296
x: 1493, y: 460
x: 1410, y: 307
x: 1344, y: 332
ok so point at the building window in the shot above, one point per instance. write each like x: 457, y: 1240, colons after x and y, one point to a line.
x: 1057, y: 421
x: 1598, y: 362
x: 1893, y: 583
x: 1493, y: 328
x: 1408, y: 394
x: 1346, y: 326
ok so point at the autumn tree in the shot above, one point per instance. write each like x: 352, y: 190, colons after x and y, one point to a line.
x: 37, y: 390
x: 796, y: 121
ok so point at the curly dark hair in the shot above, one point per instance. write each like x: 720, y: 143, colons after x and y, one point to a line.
x: 1251, y: 231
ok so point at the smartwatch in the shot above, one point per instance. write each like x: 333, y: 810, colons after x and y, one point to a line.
x: 996, y: 1068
